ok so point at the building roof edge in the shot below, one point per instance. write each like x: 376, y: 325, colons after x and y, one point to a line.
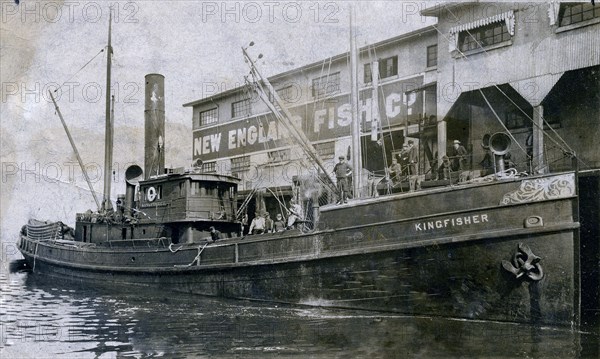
x: 274, y: 78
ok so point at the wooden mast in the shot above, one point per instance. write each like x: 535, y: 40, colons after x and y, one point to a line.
x: 108, y: 134
x: 284, y: 117
x: 85, y: 174
x: 356, y: 151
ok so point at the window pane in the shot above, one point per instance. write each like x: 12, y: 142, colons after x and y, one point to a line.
x: 573, y: 13
x: 240, y: 108
x: 368, y: 74
x: 326, y: 85
x: 208, y: 117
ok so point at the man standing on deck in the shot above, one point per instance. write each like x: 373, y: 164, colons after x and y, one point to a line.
x: 342, y: 170
x: 279, y: 223
x: 412, y: 158
x: 395, y: 171
x: 412, y: 165
x: 258, y: 225
x: 214, y: 234
x: 459, y: 154
x: 295, y: 214
x: 268, y: 223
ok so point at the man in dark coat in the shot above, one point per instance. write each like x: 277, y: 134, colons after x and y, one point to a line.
x: 214, y: 234
x: 459, y: 154
x: 342, y: 170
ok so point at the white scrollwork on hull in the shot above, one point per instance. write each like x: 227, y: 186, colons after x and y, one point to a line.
x: 539, y: 189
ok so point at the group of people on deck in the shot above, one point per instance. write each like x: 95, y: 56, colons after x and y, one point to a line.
x: 264, y: 224
x: 406, y: 165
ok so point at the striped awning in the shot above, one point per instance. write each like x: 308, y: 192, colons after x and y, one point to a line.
x: 508, y: 17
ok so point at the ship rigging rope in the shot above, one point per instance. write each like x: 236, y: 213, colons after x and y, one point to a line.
x: 283, y: 118
x: 281, y: 205
x: 325, y: 96
x: 197, y: 258
x: 537, y: 125
x: 456, y: 18
x: 174, y: 250
x: 384, y: 112
x: 501, y: 122
x: 82, y: 67
x: 389, y: 126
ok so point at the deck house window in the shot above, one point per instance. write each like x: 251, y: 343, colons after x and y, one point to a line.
x: 388, y: 67
x: 483, y: 36
x: 326, y: 85
x: 240, y: 108
x: 209, y: 167
x: 279, y: 155
x: 432, y: 56
x: 573, y: 13
x: 195, y: 188
x: 209, y: 117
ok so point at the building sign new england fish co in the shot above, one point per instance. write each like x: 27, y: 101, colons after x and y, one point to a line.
x: 320, y: 120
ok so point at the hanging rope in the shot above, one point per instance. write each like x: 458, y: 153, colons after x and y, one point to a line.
x: 501, y: 122
x: 498, y: 88
x: 82, y: 67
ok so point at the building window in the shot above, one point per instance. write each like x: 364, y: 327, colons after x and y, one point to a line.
x: 432, y: 56
x: 287, y: 94
x: 279, y: 155
x: 516, y: 119
x: 240, y: 163
x: 240, y: 108
x: 483, y: 36
x: 573, y: 13
x: 387, y: 67
x: 209, y: 116
x: 326, y: 85
x: 325, y: 149
x: 209, y: 167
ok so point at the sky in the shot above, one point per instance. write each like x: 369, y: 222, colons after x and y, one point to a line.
x: 196, y: 45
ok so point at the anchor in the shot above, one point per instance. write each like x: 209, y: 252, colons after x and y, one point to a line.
x: 525, y: 263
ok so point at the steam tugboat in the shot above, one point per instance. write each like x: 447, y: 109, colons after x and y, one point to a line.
x: 501, y: 249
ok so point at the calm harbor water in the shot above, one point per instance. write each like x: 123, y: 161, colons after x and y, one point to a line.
x: 41, y: 318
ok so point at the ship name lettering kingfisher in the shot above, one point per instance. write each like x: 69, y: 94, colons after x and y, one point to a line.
x: 451, y: 222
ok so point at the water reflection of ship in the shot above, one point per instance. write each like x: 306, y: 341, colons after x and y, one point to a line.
x: 506, y: 248
x: 90, y: 318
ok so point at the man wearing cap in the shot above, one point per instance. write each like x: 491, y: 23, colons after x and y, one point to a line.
x: 412, y: 164
x: 403, y: 156
x: 411, y: 153
x: 258, y: 225
x: 458, y: 156
x: 268, y: 223
x: 342, y: 170
x: 278, y: 224
x: 395, y: 171
x: 214, y: 234
x: 294, y: 214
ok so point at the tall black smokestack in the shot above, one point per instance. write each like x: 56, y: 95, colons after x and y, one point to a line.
x: 154, y: 119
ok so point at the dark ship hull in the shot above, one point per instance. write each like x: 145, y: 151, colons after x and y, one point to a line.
x: 505, y: 250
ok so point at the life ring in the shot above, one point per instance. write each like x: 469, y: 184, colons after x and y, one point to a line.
x: 151, y: 194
